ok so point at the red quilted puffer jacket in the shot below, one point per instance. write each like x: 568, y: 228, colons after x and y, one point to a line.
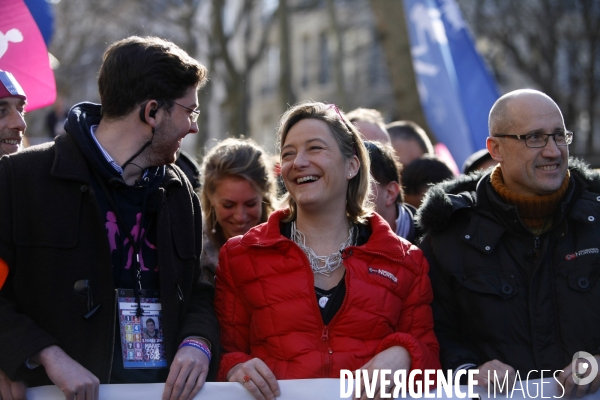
x: 267, y: 308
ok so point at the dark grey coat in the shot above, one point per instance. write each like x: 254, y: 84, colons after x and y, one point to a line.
x: 52, y: 235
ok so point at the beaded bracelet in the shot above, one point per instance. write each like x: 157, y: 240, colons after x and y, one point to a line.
x: 198, y: 345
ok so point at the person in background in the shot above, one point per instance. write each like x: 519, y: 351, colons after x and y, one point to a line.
x: 325, y: 284
x: 12, y: 133
x: 370, y: 124
x: 514, y: 253
x: 420, y: 175
x: 388, y: 195
x: 12, y: 113
x: 276, y: 162
x: 101, y: 211
x: 238, y: 193
x: 480, y: 160
x: 409, y: 141
x: 56, y: 117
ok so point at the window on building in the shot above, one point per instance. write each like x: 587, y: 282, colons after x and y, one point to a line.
x: 377, y: 72
x: 324, y: 59
x: 305, y: 62
x: 268, y: 8
x: 271, y: 70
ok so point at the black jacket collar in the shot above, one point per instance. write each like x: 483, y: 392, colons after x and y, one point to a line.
x: 474, y: 191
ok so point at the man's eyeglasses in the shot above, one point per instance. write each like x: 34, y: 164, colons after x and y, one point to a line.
x: 194, y: 113
x: 537, y: 140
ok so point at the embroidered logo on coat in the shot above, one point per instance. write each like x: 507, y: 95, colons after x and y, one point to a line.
x: 383, y: 273
x: 580, y: 253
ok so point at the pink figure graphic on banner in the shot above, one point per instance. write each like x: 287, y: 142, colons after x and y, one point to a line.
x: 136, y: 231
x: 24, y: 54
x: 444, y: 154
x: 112, y: 228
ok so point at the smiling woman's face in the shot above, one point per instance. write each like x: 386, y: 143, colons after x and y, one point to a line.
x: 237, y: 205
x: 313, y: 168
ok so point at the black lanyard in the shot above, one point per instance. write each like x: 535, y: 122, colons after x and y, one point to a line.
x: 137, y: 246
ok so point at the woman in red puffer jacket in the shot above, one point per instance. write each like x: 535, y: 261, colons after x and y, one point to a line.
x: 325, y: 284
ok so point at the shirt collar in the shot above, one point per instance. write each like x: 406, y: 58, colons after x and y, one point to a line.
x: 107, y: 156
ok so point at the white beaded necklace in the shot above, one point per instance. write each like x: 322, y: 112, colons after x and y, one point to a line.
x: 324, y: 265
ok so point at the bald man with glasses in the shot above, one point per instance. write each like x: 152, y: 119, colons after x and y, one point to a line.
x: 514, y: 253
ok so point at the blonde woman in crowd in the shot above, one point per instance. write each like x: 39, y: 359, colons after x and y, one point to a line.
x: 238, y: 192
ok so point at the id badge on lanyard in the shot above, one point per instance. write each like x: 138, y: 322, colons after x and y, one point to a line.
x: 141, y: 337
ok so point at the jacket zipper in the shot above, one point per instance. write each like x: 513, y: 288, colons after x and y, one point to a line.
x: 328, y: 351
x: 325, y: 328
x: 325, y: 333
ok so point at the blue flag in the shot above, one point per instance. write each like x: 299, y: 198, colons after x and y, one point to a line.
x: 41, y: 11
x: 455, y: 87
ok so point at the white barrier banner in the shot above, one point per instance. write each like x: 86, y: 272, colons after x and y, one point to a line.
x: 298, y: 389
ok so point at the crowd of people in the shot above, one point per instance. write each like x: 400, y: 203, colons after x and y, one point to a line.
x: 360, y: 250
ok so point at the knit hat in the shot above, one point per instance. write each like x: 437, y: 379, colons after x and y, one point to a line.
x: 9, y: 87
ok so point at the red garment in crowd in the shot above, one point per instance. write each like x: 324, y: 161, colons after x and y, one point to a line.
x: 267, y: 308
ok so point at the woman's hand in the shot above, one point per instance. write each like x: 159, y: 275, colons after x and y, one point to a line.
x: 395, y: 358
x: 257, y: 378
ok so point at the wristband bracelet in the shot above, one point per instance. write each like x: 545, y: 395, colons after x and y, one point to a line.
x: 198, y: 345
x: 198, y: 342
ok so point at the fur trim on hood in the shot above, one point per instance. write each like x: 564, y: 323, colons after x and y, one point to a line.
x: 443, y: 199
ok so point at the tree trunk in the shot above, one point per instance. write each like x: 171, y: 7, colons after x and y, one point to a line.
x: 339, y: 57
x: 286, y: 91
x: 391, y: 24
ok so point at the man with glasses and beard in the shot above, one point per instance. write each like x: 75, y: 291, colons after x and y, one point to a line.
x: 99, y: 221
x: 514, y: 252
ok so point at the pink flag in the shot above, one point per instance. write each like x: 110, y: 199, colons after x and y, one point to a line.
x: 443, y: 154
x: 23, y: 53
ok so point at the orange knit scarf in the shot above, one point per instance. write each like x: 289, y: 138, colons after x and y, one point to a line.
x: 533, y: 210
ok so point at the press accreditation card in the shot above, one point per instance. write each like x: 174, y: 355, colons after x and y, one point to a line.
x: 141, y: 337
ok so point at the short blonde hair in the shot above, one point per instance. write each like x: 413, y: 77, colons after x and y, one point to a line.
x: 358, y: 205
x: 241, y: 158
